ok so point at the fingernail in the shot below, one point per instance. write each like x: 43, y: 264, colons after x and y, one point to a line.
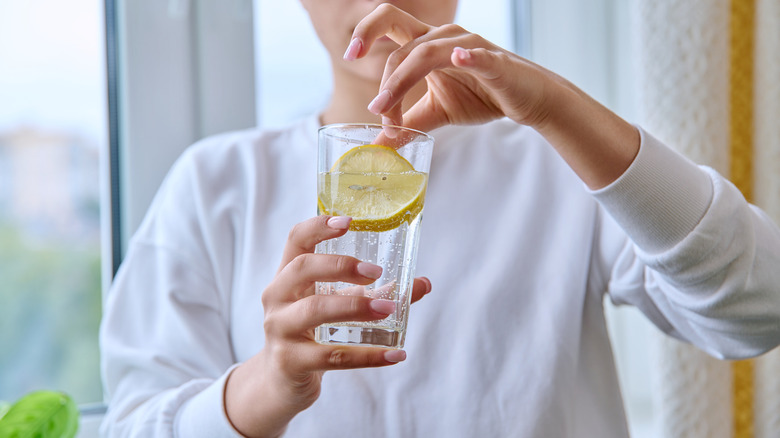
x: 384, y: 307
x: 339, y: 222
x: 353, y: 49
x: 380, y: 102
x: 369, y: 270
x: 428, y: 285
x: 395, y: 356
x: 462, y: 53
x: 390, y: 131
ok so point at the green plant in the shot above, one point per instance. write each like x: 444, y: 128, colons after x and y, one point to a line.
x: 41, y: 414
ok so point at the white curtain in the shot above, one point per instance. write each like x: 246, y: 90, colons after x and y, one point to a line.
x: 683, y: 63
x: 766, y: 188
x: 684, y: 76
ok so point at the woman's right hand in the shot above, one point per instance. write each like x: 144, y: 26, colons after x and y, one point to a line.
x: 264, y: 393
x: 470, y: 80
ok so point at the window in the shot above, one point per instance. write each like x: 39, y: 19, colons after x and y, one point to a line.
x: 185, y: 70
x: 52, y: 138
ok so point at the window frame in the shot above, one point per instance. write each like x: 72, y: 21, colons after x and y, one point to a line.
x: 174, y: 77
x: 211, y: 98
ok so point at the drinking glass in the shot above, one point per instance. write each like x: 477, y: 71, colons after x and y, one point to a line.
x: 359, y: 174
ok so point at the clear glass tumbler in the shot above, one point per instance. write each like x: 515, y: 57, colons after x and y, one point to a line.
x: 378, y: 175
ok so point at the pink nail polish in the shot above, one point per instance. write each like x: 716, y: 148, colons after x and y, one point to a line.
x: 395, y: 356
x: 369, y: 270
x: 390, y: 131
x: 428, y: 285
x: 339, y: 222
x: 384, y: 307
x: 462, y: 53
x: 353, y: 50
x: 380, y: 102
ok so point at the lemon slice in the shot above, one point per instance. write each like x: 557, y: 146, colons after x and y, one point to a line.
x: 374, y: 185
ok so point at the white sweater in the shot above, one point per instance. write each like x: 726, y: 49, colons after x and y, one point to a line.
x: 512, y: 341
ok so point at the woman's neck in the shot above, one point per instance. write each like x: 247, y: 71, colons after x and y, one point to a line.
x: 350, y: 99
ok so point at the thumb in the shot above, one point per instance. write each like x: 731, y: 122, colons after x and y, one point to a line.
x: 422, y: 118
x: 480, y: 61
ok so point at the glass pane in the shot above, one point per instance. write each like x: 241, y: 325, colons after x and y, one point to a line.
x: 52, y: 132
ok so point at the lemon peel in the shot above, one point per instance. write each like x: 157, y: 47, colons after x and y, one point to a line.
x: 375, y: 186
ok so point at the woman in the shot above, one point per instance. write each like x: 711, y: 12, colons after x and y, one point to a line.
x: 204, y: 336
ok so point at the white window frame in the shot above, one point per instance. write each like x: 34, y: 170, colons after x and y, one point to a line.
x: 178, y: 71
x: 184, y: 70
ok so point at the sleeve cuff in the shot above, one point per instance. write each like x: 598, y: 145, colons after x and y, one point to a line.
x: 660, y: 198
x: 204, y: 414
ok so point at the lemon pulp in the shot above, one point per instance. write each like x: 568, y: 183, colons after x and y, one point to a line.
x: 374, y: 185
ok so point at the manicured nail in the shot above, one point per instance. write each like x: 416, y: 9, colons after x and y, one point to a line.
x: 339, y: 222
x: 462, y: 53
x: 369, y: 270
x: 428, y: 285
x: 380, y: 102
x: 389, y: 130
x: 384, y: 307
x: 395, y: 356
x: 353, y: 49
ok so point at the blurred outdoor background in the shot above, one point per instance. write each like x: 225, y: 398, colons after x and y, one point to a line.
x: 52, y: 131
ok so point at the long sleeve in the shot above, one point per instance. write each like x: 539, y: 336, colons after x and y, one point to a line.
x: 165, y: 338
x: 700, y: 262
x: 185, y: 306
x: 153, y: 391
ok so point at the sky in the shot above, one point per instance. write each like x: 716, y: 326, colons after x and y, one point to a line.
x: 52, y: 66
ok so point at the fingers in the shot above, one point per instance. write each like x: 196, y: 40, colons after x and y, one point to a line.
x: 414, y: 37
x: 481, y: 61
x: 306, y: 235
x: 393, y: 137
x: 315, y: 357
x: 434, y: 52
x: 469, y: 80
x: 387, y: 20
x: 341, y: 358
x: 296, y: 279
x: 484, y: 90
x: 411, y: 63
x: 301, y: 268
x: 420, y: 288
x: 292, y: 325
x: 315, y: 310
x: 421, y: 118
